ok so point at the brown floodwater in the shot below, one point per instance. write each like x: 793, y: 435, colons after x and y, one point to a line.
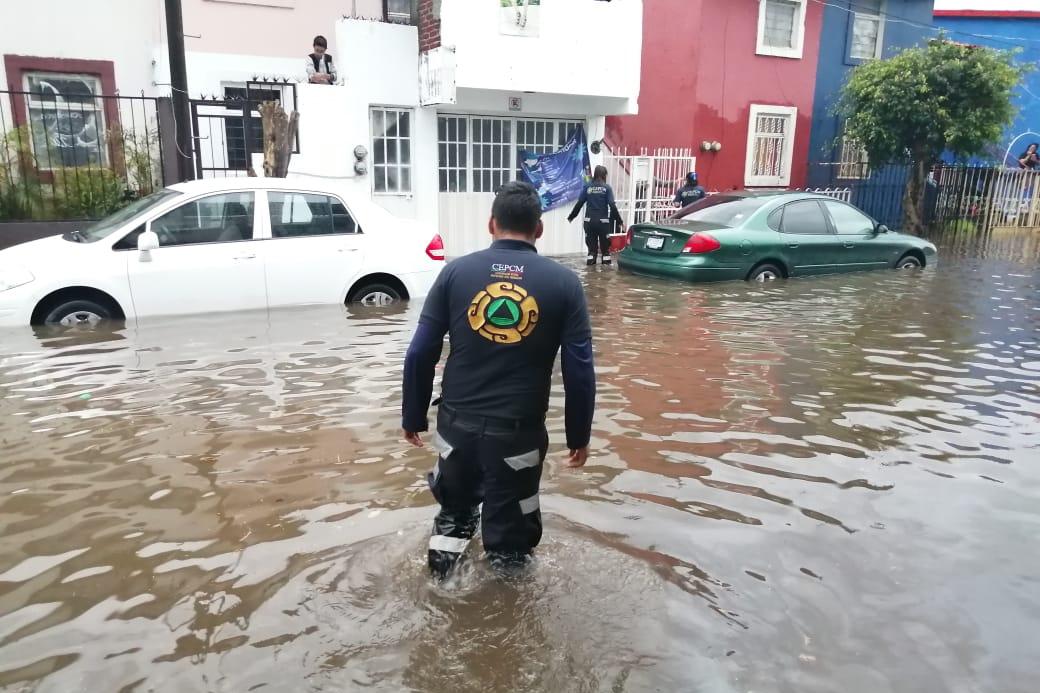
x: 813, y: 486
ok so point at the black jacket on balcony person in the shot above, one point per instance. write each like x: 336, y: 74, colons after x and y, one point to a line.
x: 320, y: 68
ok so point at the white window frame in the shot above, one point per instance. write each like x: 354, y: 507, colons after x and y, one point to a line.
x: 787, y: 156
x: 401, y: 166
x: 880, y: 18
x: 799, y: 32
x: 554, y: 140
x: 853, y: 163
x: 504, y: 147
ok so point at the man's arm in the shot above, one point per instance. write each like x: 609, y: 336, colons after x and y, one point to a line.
x: 615, y: 215
x: 420, y: 361
x: 419, y: 365
x: 579, y: 378
x: 579, y: 384
x: 578, y: 205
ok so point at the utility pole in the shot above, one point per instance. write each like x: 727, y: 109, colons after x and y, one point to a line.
x: 179, y: 85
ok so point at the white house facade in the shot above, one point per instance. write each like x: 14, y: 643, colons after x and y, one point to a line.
x: 433, y: 102
x: 438, y: 108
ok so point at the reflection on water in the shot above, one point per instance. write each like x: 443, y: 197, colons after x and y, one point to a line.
x: 816, y: 485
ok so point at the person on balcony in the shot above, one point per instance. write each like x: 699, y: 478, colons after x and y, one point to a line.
x: 320, y: 68
x: 690, y: 192
x: 1029, y: 159
x: 600, y: 214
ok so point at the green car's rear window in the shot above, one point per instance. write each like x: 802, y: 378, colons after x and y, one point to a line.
x: 723, y: 210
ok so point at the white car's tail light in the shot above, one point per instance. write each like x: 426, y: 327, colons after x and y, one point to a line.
x: 435, y: 250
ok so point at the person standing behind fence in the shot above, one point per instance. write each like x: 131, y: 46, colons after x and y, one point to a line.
x: 690, y: 192
x: 1029, y: 159
x: 600, y: 214
x: 320, y: 68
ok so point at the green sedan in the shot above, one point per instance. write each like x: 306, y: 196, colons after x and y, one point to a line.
x: 762, y: 236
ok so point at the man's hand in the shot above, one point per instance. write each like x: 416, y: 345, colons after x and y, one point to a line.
x: 578, y: 458
x: 414, y: 438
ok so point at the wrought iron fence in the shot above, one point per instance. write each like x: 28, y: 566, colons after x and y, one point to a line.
x: 984, y: 197
x: 226, y: 128
x: 878, y: 192
x: 645, y: 183
x: 77, y: 155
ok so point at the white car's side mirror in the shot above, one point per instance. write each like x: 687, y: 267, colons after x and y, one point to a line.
x: 147, y: 241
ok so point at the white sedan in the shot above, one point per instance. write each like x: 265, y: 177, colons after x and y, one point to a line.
x: 220, y: 246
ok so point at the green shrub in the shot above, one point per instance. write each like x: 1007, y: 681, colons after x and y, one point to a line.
x: 88, y: 192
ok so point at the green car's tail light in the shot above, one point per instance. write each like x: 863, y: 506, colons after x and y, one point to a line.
x: 628, y: 236
x: 701, y: 243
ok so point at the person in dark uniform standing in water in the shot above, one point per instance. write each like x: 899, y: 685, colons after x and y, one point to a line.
x: 600, y: 214
x: 690, y: 192
x: 507, y: 311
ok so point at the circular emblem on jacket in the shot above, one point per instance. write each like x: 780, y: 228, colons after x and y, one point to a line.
x: 503, y: 313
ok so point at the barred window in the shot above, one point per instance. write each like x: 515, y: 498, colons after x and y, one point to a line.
x: 492, y: 153
x: 391, y: 150
x: 479, y: 154
x: 770, y: 145
x: 853, y: 162
x: 453, y: 148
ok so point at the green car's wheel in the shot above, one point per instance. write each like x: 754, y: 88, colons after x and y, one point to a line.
x: 908, y: 262
x: 765, y: 273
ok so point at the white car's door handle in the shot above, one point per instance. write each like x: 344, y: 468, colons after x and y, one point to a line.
x: 246, y: 257
x: 347, y: 250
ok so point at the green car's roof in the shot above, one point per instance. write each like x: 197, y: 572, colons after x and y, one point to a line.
x: 769, y: 193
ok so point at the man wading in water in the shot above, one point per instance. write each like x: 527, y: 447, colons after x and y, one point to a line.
x: 507, y: 312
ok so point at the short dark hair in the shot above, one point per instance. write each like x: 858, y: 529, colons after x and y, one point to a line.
x: 321, y: 42
x: 517, y: 208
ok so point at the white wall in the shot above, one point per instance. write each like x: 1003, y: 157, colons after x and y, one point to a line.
x: 381, y: 67
x: 535, y: 105
x: 125, y: 32
x: 464, y: 226
x: 209, y: 72
x: 582, y: 47
x: 274, y: 28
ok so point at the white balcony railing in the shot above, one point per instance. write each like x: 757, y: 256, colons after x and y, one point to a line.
x: 437, y: 76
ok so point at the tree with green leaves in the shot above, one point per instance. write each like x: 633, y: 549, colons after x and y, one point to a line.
x: 910, y: 108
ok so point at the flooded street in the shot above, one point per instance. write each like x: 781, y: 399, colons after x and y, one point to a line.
x: 818, y: 485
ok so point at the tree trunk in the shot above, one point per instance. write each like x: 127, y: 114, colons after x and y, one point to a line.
x: 914, y: 196
x: 279, y: 136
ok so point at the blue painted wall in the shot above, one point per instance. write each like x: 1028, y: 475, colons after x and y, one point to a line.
x: 909, y: 23
x: 1001, y: 33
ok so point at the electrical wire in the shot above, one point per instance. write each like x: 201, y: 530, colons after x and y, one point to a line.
x: 853, y: 7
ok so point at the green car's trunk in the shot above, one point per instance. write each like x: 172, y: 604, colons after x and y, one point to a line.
x: 671, y: 236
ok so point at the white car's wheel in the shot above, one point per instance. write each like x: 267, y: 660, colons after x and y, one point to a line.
x: 77, y: 313
x: 375, y: 295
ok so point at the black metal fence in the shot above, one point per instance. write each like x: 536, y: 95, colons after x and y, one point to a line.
x: 78, y: 155
x: 878, y: 192
x: 226, y: 128
x: 978, y: 198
